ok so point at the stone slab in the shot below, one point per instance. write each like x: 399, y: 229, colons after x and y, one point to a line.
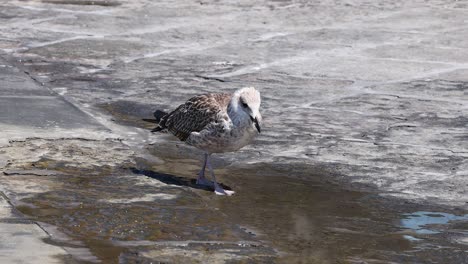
x: 13, y: 82
x: 5, y: 208
x: 22, y: 243
x: 42, y: 112
x: 31, y: 109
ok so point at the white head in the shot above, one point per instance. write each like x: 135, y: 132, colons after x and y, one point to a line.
x: 245, y: 103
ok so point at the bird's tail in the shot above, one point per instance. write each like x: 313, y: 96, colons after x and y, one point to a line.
x: 160, y: 119
x: 158, y: 114
x: 157, y: 129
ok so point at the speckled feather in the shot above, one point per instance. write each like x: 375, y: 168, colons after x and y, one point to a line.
x: 195, y: 114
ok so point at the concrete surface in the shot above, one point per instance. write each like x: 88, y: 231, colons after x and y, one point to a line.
x: 21, y: 240
x: 366, y: 96
x: 51, y: 148
x: 28, y: 110
x: 375, y: 91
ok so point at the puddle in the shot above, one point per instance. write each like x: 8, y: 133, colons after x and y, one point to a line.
x: 429, y: 222
x: 313, y: 221
x: 123, y: 211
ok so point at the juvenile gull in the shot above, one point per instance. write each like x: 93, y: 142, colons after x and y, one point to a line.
x: 215, y: 123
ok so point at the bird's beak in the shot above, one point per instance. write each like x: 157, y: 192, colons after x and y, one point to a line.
x: 257, y: 125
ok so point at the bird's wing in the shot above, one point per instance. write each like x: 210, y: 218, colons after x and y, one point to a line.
x: 195, y: 114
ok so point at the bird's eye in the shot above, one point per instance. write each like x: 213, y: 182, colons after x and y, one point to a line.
x: 244, y: 105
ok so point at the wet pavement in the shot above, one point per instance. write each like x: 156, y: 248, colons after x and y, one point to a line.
x: 364, y: 157
x: 139, y: 212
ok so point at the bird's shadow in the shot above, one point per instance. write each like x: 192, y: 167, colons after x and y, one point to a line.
x: 175, y: 180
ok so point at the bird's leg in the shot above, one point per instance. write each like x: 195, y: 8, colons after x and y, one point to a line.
x: 218, y: 189
x: 201, y: 180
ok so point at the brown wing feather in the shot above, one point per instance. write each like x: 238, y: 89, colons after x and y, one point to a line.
x: 195, y: 114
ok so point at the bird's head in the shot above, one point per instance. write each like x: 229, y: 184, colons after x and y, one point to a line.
x: 246, y: 102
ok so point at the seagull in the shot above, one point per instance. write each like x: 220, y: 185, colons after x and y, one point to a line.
x: 215, y: 123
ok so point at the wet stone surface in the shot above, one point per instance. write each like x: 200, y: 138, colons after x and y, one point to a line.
x: 364, y: 153
x: 133, y: 211
x: 107, y: 208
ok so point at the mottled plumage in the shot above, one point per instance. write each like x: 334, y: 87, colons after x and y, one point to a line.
x: 195, y: 114
x: 217, y: 122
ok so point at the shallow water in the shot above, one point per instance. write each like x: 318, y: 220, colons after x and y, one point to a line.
x: 316, y: 222
x: 294, y: 221
x: 281, y: 213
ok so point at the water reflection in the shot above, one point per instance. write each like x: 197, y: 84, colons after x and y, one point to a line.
x: 421, y: 221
